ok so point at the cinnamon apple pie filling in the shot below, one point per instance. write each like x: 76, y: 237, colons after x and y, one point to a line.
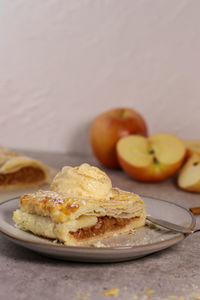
x: 81, y: 208
x: 104, y: 224
x: 24, y: 175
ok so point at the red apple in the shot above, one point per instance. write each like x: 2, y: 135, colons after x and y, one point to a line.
x: 109, y: 127
x: 151, y: 159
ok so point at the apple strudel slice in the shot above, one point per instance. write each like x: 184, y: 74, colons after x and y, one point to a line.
x: 18, y: 170
x: 77, y: 221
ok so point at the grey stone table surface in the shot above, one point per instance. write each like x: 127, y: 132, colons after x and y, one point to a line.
x: 173, y: 273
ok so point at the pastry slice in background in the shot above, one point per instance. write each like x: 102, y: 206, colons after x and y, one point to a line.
x: 19, y: 171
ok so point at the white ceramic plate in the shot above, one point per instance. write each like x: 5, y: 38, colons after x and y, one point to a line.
x: 147, y: 240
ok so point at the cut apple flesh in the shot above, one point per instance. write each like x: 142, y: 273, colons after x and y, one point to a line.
x: 168, y: 148
x: 151, y: 159
x: 189, y: 177
x: 159, y: 148
x: 135, y: 150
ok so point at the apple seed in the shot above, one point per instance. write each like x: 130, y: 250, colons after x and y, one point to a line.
x: 195, y: 163
x: 152, y: 151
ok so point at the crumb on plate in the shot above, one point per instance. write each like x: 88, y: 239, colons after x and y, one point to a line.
x: 112, y: 292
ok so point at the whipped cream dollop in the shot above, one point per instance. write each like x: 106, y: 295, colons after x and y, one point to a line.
x: 83, y: 181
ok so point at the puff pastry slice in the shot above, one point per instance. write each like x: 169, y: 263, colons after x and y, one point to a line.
x: 77, y: 221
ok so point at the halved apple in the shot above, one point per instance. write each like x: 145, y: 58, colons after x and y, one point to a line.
x: 108, y: 127
x: 189, y: 177
x: 151, y: 159
x: 193, y: 146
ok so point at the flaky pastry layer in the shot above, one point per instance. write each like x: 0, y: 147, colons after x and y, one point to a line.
x: 69, y: 232
x: 82, y: 207
x: 62, y: 208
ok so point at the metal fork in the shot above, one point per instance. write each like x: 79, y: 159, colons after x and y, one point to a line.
x: 172, y: 226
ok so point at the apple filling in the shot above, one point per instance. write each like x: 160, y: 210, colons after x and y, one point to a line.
x: 24, y: 175
x: 104, y: 224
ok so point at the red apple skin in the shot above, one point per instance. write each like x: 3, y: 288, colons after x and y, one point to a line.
x: 109, y: 127
x: 149, y: 174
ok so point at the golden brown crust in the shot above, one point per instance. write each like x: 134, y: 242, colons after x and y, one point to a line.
x: 47, y: 203
x: 61, y: 208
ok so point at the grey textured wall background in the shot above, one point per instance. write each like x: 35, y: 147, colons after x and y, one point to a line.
x: 64, y: 62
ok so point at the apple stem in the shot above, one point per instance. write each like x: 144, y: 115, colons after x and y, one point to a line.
x: 122, y: 113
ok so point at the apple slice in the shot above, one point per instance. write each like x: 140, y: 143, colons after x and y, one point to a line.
x: 193, y: 146
x: 189, y: 177
x: 151, y: 159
